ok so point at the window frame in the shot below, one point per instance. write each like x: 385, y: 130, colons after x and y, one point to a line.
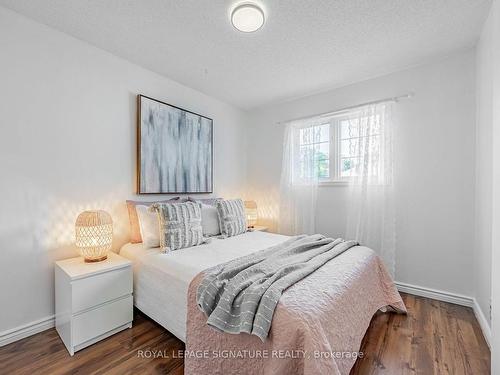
x: 335, y: 168
x: 334, y: 123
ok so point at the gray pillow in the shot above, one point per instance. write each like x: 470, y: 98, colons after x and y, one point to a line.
x: 180, y: 225
x: 207, y: 201
x: 209, y: 220
x: 232, y: 218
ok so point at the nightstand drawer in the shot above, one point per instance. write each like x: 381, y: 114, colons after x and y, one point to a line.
x: 95, y: 290
x: 93, y: 323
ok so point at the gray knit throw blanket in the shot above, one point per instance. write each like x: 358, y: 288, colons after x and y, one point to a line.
x: 241, y: 295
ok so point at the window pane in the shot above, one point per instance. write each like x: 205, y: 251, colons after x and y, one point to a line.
x: 349, y: 167
x: 303, y: 153
x: 315, y: 134
x: 322, y: 150
x: 314, y: 151
x: 349, y: 129
x: 324, y: 133
x: 349, y: 147
x: 306, y: 155
x: 359, y: 145
x: 305, y: 136
x: 306, y: 151
x: 323, y: 168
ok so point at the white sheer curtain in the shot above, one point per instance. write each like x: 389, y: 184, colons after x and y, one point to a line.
x: 360, y: 153
x: 299, y: 179
x: 370, y: 203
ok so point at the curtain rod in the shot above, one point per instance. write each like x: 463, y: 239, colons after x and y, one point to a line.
x: 337, y: 111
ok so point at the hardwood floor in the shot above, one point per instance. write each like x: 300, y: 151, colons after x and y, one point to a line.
x: 435, y: 338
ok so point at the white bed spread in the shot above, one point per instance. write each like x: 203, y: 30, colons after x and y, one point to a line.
x: 161, y: 280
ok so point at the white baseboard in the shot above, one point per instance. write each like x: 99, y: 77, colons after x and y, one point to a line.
x: 483, y: 322
x: 18, y: 333
x: 457, y: 299
x: 43, y: 324
x: 439, y: 295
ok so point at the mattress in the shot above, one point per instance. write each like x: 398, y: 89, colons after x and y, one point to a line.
x: 161, y: 281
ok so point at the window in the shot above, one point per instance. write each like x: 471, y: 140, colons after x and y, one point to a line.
x: 337, y: 145
x: 315, y: 148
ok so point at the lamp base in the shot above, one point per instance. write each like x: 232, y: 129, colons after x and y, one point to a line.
x: 94, y: 260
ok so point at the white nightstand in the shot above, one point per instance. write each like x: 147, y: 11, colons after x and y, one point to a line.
x: 93, y: 300
x: 259, y: 228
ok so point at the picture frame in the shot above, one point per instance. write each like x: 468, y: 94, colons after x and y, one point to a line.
x: 174, y: 149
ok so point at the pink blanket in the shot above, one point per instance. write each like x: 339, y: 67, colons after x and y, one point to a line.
x: 317, y: 326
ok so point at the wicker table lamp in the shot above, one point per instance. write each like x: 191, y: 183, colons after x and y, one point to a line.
x: 94, y: 235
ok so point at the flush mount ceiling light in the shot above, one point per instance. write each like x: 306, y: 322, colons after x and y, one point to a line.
x: 247, y: 17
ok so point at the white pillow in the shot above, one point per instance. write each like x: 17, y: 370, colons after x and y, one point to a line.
x: 149, y: 225
x: 209, y: 220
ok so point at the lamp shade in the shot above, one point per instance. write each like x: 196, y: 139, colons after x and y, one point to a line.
x: 94, y: 235
x: 251, y: 213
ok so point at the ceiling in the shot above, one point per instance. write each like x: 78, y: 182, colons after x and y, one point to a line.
x: 306, y: 46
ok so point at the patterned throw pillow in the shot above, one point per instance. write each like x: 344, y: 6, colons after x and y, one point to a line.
x: 180, y: 225
x: 232, y: 217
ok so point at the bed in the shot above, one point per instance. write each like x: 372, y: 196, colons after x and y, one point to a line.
x: 161, y: 281
x: 327, y: 312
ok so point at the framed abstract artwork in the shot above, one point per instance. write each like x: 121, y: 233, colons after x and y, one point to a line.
x: 174, y: 149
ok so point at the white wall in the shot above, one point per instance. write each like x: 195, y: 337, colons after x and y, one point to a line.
x: 484, y: 169
x: 68, y: 144
x: 434, y: 171
x: 487, y: 266
x: 492, y: 35
x: 68, y: 123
